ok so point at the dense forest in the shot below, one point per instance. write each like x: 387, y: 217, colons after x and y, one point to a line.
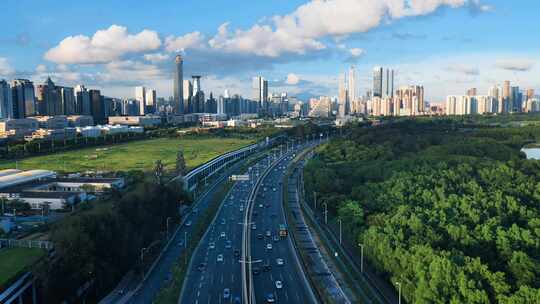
x: 449, y: 210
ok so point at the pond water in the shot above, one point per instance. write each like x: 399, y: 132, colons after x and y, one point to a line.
x: 532, y: 153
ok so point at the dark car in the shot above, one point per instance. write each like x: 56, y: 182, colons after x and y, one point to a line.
x: 201, y: 267
x: 236, y: 253
x: 256, y: 270
x: 267, y: 267
x: 260, y: 236
x: 270, y: 298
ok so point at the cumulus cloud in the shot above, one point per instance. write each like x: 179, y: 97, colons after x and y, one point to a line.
x: 103, y: 47
x: 262, y: 40
x: 464, y: 69
x: 5, y: 68
x: 156, y: 57
x: 187, y: 41
x: 292, y: 79
x: 354, y: 54
x: 476, y: 7
x: 516, y: 65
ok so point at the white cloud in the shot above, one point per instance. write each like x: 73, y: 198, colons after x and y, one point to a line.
x: 41, y: 68
x: 357, y: 52
x: 156, y: 57
x: 262, y: 40
x: 5, y: 67
x: 292, y: 79
x: 103, y: 47
x: 187, y: 41
x: 517, y: 65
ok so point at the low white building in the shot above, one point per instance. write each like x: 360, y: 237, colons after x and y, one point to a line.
x: 42, y: 188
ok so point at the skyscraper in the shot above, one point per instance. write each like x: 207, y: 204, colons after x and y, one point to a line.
x: 377, y: 81
x: 140, y: 96
x: 48, y: 100
x: 6, y: 102
x: 198, y: 95
x: 352, y: 90
x: 67, y: 101
x: 151, y: 101
x: 343, y: 95
x: 188, y: 93
x: 383, y: 82
x: 178, y: 85
x: 82, y: 100
x: 260, y: 92
x: 24, y: 103
x: 97, y: 106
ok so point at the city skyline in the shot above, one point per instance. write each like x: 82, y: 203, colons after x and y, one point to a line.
x: 425, y: 43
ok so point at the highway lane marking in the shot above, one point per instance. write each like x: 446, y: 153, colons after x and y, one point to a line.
x: 198, y: 293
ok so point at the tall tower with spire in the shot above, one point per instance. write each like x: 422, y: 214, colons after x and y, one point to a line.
x: 178, y: 85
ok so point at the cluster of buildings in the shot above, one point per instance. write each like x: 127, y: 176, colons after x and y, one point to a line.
x: 499, y: 99
x: 382, y: 100
x: 45, y: 189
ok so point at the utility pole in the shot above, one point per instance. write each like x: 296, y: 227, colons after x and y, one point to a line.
x: 315, y: 200
x: 185, y: 247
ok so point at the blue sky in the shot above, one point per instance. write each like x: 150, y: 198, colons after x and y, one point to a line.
x: 301, y: 46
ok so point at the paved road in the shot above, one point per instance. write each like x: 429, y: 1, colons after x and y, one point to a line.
x: 214, y: 280
x: 161, y: 274
x: 268, y: 214
x: 207, y: 276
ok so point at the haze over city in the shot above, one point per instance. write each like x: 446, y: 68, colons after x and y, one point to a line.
x: 444, y: 45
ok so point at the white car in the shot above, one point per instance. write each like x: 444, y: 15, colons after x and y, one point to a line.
x: 279, y: 285
x: 212, y: 245
x: 279, y: 262
x: 269, y: 246
x: 220, y: 258
x: 222, y: 234
x: 253, y: 227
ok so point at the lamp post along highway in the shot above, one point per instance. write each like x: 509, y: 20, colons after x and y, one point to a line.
x: 399, y: 292
x: 361, y: 257
x: 340, y: 233
x: 325, y: 213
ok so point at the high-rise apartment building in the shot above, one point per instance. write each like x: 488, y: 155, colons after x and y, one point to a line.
x: 6, y: 101
x: 178, y: 85
x: 24, y: 100
x: 472, y: 92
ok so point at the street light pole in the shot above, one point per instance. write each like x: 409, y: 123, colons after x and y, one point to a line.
x: 325, y: 213
x: 185, y: 247
x: 361, y: 257
x: 339, y: 231
x: 315, y: 200
x: 399, y: 292
x: 142, y: 254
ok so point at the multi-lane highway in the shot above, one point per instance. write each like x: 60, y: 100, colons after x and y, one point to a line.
x: 276, y: 271
x: 215, y: 272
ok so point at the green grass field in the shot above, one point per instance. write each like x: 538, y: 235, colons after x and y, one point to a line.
x: 15, y: 260
x: 134, y: 155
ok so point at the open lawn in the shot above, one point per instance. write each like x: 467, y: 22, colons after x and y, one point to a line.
x: 134, y: 155
x: 15, y: 260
